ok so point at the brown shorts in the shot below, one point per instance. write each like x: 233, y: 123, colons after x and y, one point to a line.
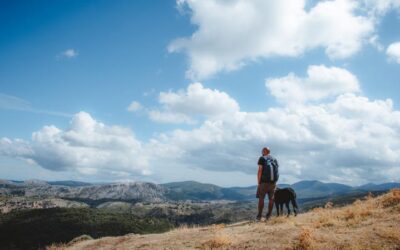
x: 266, y: 188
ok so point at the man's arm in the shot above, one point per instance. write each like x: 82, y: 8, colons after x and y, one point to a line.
x: 259, y: 174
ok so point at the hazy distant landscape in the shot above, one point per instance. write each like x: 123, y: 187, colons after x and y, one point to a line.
x: 42, y: 213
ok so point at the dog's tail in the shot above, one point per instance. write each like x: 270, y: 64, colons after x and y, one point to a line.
x: 294, y: 202
x: 292, y: 192
x: 293, y: 198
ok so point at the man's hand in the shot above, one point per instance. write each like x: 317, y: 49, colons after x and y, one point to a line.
x: 259, y: 174
x: 258, y: 190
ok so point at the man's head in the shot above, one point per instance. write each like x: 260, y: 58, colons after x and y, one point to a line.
x: 265, y: 151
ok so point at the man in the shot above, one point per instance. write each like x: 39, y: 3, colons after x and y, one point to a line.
x: 267, y: 177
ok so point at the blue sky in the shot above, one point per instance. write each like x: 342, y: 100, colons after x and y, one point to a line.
x: 213, y: 82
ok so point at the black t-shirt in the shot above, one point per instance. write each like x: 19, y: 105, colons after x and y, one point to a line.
x: 261, y: 161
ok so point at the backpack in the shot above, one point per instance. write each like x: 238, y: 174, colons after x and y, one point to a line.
x: 270, y: 171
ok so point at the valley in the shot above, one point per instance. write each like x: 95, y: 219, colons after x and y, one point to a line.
x: 55, y: 212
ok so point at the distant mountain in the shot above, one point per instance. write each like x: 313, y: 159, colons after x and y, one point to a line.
x: 311, y: 189
x: 305, y: 190
x: 379, y: 187
x: 35, y: 182
x: 69, y: 183
x: 174, y: 191
x: 136, y: 191
x: 192, y: 190
x: 133, y: 191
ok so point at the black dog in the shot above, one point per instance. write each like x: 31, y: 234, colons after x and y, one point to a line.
x: 285, y: 195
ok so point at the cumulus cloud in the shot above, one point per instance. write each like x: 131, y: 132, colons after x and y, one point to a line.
x: 170, y: 117
x: 134, y: 106
x: 351, y: 140
x: 232, y: 33
x: 321, y: 82
x: 88, y: 147
x: 380, y: 7
x: 393, y: 52
x: 348, y: 138
x: 182, y: 106
x: 69, y: 53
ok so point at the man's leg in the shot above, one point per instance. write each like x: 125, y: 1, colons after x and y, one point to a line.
x: 260, y: 207
x: 271, y: 196
x: 261, y: 192
x: 270, y: 207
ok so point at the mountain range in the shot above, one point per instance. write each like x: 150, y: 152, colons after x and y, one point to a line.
x: 174, y: 191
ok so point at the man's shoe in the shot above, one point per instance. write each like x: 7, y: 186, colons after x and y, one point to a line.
x: 258, y: 218
x: 267, y: 216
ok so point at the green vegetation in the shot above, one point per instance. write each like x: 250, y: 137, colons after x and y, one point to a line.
x: 33, y: 229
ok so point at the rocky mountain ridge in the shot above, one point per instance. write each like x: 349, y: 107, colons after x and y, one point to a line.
x: 175, y: 191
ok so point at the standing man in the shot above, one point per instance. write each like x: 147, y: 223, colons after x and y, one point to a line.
x: 267, y: 177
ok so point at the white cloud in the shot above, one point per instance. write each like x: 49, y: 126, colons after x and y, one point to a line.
x: 134, y: 106
x: 169, y: 117
x: 380, y: 7
x: 88, y: 147
x: 374, y: 41
x: 393, y: 52
x: 182, y: 106
x: 69, y: 53
x: 351, y: 140
x: 321, y: 82
x: 347, y: 138
x: 232, y: 33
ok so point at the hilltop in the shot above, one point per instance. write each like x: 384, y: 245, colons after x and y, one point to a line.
x: 370, y: 223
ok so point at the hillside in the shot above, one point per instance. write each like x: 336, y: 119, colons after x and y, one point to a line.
x: 371, y: 223
x: 35, y: 228
x: 133, y: 192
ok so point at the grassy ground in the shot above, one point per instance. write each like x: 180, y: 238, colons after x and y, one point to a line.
x: 370, y: 223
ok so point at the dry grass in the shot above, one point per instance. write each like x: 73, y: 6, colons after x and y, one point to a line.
x: 184, y: 228
x: 305, y: 240
x: 391, y: 199
x: 57, y: 246
x: 370, y: 223
x: 390, y: 234
x: 218, y: 241
x: 61, y: 246
x: 329, y: 205
x: 79, y: 239
x: 218, y: 226
x: 279, y: 220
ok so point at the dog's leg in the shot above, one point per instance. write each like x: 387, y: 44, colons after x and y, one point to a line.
x: 288, y: 208
x: 281, y: 208
x: 294, y: 204
x: 277, y: 208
